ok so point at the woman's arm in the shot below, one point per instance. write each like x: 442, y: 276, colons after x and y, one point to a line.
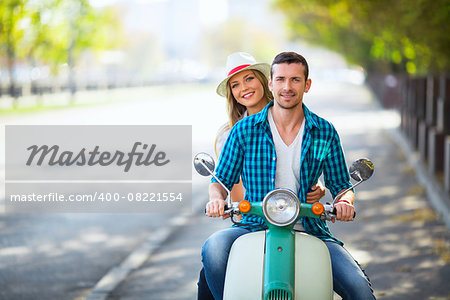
x: 317, y: 192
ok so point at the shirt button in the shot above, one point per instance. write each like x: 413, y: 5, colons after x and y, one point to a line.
x: 273, y: 158
x: 273, y: 180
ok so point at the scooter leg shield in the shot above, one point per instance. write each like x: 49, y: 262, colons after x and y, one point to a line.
x: 245, y: 268
x: 313, y: 274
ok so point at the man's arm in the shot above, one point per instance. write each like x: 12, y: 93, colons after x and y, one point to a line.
x: 217, y: 195
x: 216, y: 204
x: 228, y: 171
x: 344, y: 207
x: 337, y: 180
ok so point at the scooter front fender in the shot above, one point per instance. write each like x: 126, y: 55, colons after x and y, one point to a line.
x: 245, y: 268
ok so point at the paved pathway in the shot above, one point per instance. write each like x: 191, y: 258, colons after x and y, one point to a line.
x: 400, y: 240
x: 397, y: 237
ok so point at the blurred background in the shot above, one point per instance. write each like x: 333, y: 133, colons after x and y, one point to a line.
x: 66, y: 53
x: 113, y: 43
x: 380, y: 72
x: 49, y: 46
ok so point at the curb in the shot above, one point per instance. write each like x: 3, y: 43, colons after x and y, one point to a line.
x: 111, y: 280
x: 435, y: 193
x: 134, y: 260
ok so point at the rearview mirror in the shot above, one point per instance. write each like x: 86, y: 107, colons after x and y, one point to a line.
x: 362, y: 169
x: 204, y: 164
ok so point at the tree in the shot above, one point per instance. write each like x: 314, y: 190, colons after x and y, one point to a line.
x: 11, y: 33
x: 389, y: 36
x: 85, y: 28
x: 54, y: 32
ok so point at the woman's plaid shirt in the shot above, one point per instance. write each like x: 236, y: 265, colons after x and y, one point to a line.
x: 250, y: 152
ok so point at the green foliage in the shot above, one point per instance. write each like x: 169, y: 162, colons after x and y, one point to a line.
x: 390, y: 36
x: 12, y: 29
x: 55, y: 31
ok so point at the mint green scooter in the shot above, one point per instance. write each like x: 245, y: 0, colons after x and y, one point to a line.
x: 281, y: 262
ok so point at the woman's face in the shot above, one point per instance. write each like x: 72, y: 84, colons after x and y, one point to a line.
x: 248, y: 91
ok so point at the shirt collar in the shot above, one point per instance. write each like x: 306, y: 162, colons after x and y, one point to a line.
x: 309, y: 116
x: 262, y: 115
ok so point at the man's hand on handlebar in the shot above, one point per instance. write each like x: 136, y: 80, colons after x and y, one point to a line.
x: 215, y: 208
x: 216, y: 205
x: 345, y: 211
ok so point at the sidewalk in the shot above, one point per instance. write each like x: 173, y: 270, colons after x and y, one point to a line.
x: 398, y: 238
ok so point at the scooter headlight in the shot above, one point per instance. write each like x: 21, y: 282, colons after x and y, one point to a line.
x: 281, y: 207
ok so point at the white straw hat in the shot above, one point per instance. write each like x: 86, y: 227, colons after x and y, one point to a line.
x: 240, y: 61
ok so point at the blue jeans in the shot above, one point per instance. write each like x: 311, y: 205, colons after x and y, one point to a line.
x: 349, y: 280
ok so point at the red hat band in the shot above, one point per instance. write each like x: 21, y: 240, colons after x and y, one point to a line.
x: 238, y: 68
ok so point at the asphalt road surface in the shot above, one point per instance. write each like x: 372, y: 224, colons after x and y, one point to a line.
x: 399, y: 240
x: 397, y: 237
x: 63, y: 256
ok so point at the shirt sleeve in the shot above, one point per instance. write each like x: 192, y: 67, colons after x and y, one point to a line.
x: 221, y: 141
x: 231, y: 159
x: 335, y: 171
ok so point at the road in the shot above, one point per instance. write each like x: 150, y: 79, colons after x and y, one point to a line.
x: 397, y: 237
x: 399, y: 240
x: 62, y: 256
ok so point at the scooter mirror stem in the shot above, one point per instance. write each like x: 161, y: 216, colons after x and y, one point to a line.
x: 346, y: 190
x: 220, y: 182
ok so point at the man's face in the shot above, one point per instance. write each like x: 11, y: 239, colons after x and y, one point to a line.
x: 288, y: 84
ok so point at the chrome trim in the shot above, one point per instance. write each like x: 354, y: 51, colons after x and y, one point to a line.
x: 284, y: 191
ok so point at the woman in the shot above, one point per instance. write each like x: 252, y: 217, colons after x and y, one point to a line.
x: 241, y: 81
x: 251, y: 82
x: 247, y: 91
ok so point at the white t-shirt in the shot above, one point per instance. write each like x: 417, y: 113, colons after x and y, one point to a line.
x: 287, y: 173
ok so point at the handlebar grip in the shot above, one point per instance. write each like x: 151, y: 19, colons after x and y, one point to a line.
x: 224, y: 208
x: 334, y: 212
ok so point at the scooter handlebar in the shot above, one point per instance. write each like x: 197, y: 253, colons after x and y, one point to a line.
x: 330, y: 213
x: 226, y: 209
x: 334, y: 212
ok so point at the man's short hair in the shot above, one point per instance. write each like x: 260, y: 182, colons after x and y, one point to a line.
x: 290, y: 58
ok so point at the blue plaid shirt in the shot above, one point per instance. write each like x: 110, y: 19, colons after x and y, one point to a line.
x: 250, y: 152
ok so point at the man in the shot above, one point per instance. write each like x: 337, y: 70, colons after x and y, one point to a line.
x: 285, y: 145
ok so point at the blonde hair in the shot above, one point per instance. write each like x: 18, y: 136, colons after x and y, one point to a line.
x: 236, y: 110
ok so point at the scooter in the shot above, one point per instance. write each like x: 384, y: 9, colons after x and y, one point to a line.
x: 280, y: 262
